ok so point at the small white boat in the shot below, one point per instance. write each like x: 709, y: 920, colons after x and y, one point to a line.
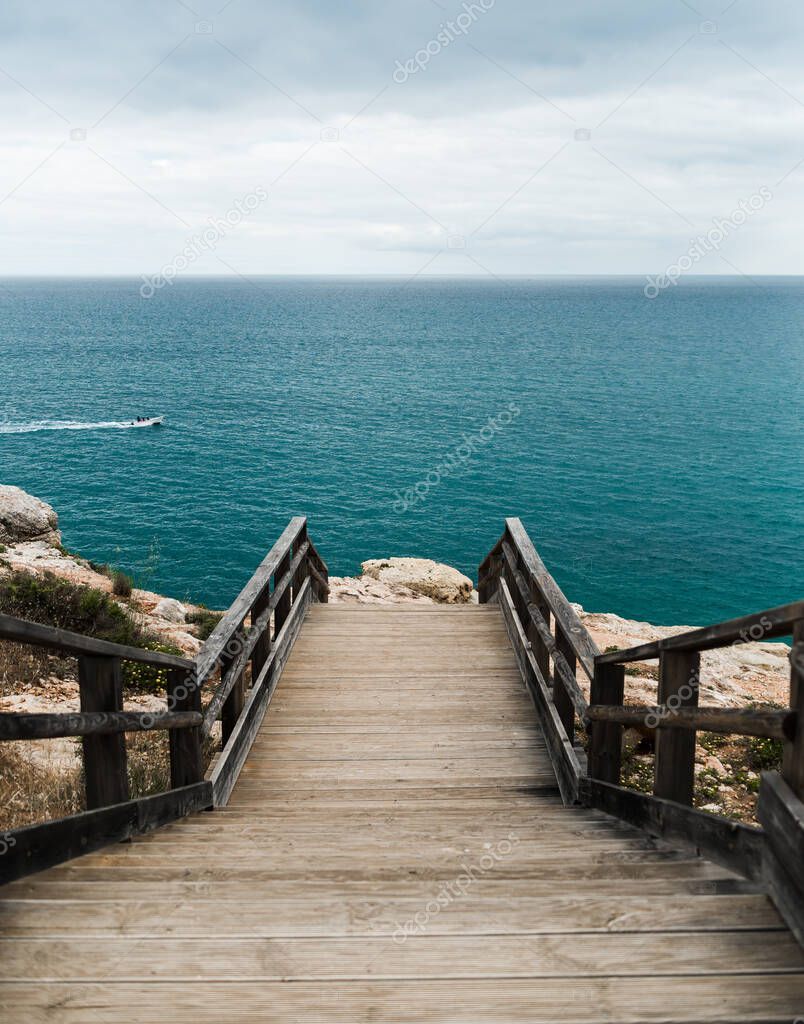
x: 151, y: 421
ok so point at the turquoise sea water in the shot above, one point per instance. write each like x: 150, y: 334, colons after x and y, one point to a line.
x: 653, y: 449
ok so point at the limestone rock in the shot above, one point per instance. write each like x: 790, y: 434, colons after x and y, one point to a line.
x: 441, y: 583
x: 25, y: 518
x: 170, y: 609
x: 365, y: 590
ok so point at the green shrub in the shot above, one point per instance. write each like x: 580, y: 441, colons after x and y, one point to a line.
x: 122, y: 585
x: 55, y: 602
x: 205, y: 620
x: 764, y: 755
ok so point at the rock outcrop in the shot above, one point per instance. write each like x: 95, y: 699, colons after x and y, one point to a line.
x: 25, y: 518
x: 441, y: 583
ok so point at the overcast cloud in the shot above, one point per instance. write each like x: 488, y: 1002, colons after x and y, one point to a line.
x: 533, y: 138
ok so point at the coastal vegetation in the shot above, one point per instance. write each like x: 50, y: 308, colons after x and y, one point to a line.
x: 80, y: 609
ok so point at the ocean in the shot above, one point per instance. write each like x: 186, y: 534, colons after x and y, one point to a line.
x: 653, y: 449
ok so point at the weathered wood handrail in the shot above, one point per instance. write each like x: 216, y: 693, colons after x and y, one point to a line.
x: 35, y: 635
x: 774, y: 725
x: 767, y: 625
x: 290, y: 576
x: 97, y: 723
x: 550, y: 643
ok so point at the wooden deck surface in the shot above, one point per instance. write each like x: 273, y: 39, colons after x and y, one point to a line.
x: 396, y: 850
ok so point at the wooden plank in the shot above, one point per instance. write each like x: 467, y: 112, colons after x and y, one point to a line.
x: 36, y: 847
x: 411, y: 953
x: 674, y: 762
x: 105, y: 774
x: 24, y: 632
x: 762, y: 998
x: 255, y: 914
x: 95, y: 723
x: 774, y: 622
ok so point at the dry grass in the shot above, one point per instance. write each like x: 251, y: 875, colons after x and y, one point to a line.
x: 36, y: 789
x: 23, y: 668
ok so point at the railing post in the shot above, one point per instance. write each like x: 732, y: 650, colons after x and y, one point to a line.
x: 263, y: 648
x: 674, y: 767
x: 186, y: 760
x: 105, y: 768
x: 323, y: 595
x: 282, y: 609
x: 301, y: 573
x: 793, y: 759
x: 233, y: 705
x: 605, y: 747
x: 485, y: 583
x: 562, y: 699
x: 540, y: 651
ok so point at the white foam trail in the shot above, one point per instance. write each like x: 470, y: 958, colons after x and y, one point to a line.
x: 31, y: 428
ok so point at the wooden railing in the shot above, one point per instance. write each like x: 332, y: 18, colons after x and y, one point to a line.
x: 552, y: 645
x: 253, y: 639
x: 256, y: 636
x: 773, y: 854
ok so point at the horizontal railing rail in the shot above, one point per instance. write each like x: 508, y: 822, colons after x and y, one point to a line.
x: 551, y: 645
x: 35, y: 635
x: 767, y: 625
x: 247, y: 649
x: 772, y: 725
x: 92, y: 723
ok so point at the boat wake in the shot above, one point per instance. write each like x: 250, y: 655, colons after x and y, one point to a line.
x: 37, y: 425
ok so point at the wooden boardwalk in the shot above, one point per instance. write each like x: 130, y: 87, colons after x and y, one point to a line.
x: 396, y: 850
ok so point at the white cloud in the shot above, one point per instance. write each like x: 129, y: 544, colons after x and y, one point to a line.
x: 426, y: 164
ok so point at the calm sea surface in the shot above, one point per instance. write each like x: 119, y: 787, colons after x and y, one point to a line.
x: 652, y: 448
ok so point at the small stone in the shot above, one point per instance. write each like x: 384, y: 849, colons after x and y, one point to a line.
x: 714, y: 764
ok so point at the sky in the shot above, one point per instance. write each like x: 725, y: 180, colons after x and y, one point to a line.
x: 404, y: 137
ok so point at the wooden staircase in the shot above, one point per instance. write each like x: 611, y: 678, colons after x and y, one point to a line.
x: 401, y: 825
x: 396, y: 849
